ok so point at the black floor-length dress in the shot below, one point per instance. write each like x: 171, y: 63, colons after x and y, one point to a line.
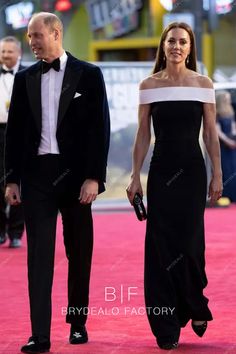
x: 176, y: 195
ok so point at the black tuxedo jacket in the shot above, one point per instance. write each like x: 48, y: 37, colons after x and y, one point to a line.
x: 83, y: 127
x: 21, y: 67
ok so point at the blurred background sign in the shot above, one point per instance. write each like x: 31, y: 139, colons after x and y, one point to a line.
x: 186, y: 17
x: 18, y: 15
x: 122, y: 81
x: 114, y: 17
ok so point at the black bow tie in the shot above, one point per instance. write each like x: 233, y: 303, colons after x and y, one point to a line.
x: 55, y: 64
x: 3, y: 71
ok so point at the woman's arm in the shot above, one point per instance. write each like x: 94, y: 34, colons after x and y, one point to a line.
x: 223, y: 137
x: 234, y: 128
x: 142, y: 139
x: 211, y: 140
x: 140, y: 149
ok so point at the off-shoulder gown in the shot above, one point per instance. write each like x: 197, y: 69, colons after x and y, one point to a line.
x: 176, y: 196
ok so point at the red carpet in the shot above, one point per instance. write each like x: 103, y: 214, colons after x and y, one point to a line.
x: 119, y: 326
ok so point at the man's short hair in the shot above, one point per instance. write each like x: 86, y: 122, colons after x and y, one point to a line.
x: 50, y: 20
x: 11, y: 39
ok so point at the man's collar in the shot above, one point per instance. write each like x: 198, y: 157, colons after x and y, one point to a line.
x: 14, y: 68
x: 63, y: 60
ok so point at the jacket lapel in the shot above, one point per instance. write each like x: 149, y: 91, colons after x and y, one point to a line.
x: 33, y: 84
x: 21, y: 67
x: 72, y: 75
x: 71, y: 78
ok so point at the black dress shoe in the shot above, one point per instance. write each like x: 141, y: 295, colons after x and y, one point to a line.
x: 170, y: 341
x: 78, y: 335
x: 34, y: 346
x: 199, y: 329
x: 168, y: 346
x: 15, y: 243
x: 3, y: 238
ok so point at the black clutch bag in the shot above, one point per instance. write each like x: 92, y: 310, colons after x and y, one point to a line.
x: 139, y: 207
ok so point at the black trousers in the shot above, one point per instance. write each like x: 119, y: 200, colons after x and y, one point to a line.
x: 47, y: 189
x: 13, y: 221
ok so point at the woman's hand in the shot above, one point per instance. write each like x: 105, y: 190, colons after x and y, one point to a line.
x: 231, y: 144
x: 215, y: 188
x: 134, y: 187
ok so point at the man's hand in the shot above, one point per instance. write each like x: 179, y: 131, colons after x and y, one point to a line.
x: 89, y: 191
x: 12, y: 194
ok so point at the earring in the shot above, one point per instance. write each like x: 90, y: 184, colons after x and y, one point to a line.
x: 187, y: 60
x: 164, y: 57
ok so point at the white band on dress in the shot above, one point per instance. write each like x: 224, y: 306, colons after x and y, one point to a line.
x: 177, y: 93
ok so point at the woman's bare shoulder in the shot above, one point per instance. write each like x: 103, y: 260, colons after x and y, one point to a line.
x: 152, y: 81
x: 203, y: 81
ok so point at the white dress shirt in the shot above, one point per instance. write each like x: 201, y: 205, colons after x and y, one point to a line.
x: 51, y: 84
x: 6, y: 85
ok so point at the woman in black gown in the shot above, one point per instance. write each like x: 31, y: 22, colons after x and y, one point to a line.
x: 176, y: 97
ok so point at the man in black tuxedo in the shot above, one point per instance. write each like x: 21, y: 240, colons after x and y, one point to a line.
x: 11, y: 218
x: 56, y: 148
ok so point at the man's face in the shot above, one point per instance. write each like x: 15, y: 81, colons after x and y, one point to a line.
x: 9, y: 53
x: 42, y: 39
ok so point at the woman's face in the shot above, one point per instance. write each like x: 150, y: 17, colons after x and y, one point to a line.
x: 177, y: 45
